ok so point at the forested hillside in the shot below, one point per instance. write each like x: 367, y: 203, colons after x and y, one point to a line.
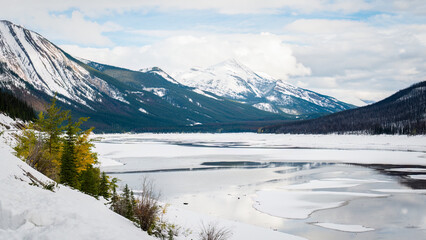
x: 14, y: 107
x: 402, y: 113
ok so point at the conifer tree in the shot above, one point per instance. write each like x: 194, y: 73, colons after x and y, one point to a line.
x: 68, y: 174
x: 90, y: 181
x: 115, y: 198
x: 104, y: 186
x: 51, y: 125
x: 128, y: 206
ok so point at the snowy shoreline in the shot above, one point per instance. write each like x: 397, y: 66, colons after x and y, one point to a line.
x: 175, y: 154
x: 68, y: 214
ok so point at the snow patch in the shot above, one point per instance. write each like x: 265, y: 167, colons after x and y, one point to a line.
x: 265, y: 107
x: 161, y: 92
x: 205, y: 94
x: 421, y: 191
x: 158, y: 71
x: 406, y: 169
x: 324, y: 183
x: 290, y: 111
x: 143, y: 110
x: 344, y: 227
x: 418, y: 177
x: 301, y: 204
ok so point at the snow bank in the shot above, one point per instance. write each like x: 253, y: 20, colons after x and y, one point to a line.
x: 407, y: 190
x: 406, y: 169
x: 344, y: 227
x: 30, y: 212
x: 240, y: 231
x: 301, y: 204
x: 418, y: 177
x: 330, y: 183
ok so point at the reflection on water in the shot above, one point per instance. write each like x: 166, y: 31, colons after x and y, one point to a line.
x: 226, y: 189
x: 404, y: 173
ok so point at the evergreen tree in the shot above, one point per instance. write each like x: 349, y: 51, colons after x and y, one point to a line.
x: 128, y: 202
x: 104, y: 186
x: 90, y: 181
x: 68, y: 174
x: 51, y: 125
x: 115, y: 198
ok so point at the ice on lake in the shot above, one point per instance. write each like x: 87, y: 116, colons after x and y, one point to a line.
x: 283, y: 182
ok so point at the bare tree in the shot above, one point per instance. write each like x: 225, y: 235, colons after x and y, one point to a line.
x: 214, y: 232
x: 147, y: 209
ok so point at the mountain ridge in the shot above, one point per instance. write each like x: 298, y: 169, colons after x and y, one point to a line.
x: 233, y: 80
x: 402, y: 113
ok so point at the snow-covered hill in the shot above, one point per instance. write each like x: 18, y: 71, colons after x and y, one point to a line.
x: 30, y: 212
x: 235, y: 81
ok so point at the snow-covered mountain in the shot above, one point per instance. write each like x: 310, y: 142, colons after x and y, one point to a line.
x: 233, y: 80
x: 115, y: 99
x: 38, y: 63
x: 229, y: 79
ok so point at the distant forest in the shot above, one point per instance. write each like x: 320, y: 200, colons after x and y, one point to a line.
x: 402, y: 113
x: 14, y: 107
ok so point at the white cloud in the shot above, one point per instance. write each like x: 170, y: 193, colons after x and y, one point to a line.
x: 262, y: 52
x: 411, y: 7
x: 368, y: 61
x: 75, y: 27
x: 368, y: 58
x: 95, y: 8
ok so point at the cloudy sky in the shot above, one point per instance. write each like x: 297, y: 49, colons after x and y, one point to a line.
x: 349, y: 49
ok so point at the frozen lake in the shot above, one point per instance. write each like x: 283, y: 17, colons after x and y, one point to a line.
x: 316, y: 187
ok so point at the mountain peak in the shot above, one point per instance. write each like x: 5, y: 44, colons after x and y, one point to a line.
x: 6, y: 22
x: 232, y: 79
x: 230, y: 63
x: 160, y: 72
x: 9, y: 23
x: 151, y: 69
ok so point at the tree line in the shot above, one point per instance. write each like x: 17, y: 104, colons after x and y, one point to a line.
x: 15, y: 107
